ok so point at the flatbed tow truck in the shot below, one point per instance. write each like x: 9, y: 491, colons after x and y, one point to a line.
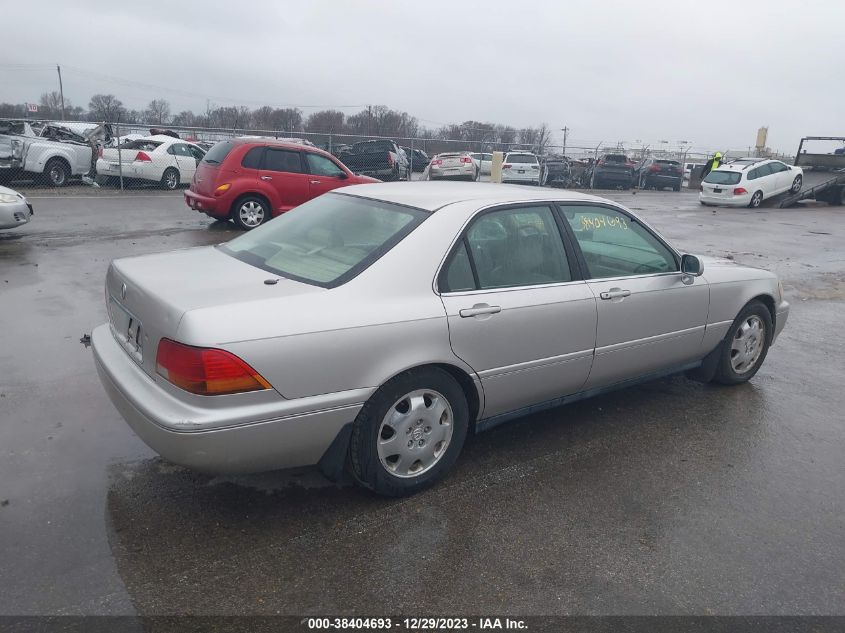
x: 824, y: 175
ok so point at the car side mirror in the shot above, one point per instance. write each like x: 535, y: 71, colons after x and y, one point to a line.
x: 691, y: 265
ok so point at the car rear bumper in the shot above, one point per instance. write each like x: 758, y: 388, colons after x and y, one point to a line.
x: 728, y: 201
x: 467, y: 171
x: 511, y: 175
x: 214, y: 207
x: 623, y: 177
x: 662, y: 179
x: 222, y: 443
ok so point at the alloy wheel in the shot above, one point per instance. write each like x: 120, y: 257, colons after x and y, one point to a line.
x: 251, y: 213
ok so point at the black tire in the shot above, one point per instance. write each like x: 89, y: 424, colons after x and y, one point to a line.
x: 250, y: 212
x: 797, y: 182
x: 756, y: 200
x: 57, y: 172
x: 364, y: 461
x: 170, y: 178
x: 676, y: 188
x: 703, y: 204
x: 726, y: 373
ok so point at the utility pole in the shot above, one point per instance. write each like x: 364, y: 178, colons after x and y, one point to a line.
x: 369, y: 118
x: 565, y: 131
x: 61, y: 90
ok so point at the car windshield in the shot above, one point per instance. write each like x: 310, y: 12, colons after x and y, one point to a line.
x: 521, y: 158
x: 217, y: 153
x: 723, y: 177
x: 328, y: 240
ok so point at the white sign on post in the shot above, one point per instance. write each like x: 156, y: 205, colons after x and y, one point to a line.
x: 32, y: 107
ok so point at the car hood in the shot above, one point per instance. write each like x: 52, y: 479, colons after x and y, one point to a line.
x: 720, y: 269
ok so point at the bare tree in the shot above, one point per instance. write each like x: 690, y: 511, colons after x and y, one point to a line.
x: 105, y: 108
x: 51, y: 104
x: 262, y: 118
x: 158, y: 112
x: 287, y: 119
x: 325, y: 121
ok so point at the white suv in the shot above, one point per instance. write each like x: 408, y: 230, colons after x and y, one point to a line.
x: 749, y: 181
x: 521, y: 167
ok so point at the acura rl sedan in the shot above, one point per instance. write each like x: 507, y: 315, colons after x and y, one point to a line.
x: 372, y: 328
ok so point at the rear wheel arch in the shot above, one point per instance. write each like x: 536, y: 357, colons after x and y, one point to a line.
x: 250, y: 194
x: 467, y: 384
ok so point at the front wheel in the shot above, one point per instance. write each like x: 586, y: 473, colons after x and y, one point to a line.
x: 746, y: 345
x: 409, y: 433
x: 756, y: 200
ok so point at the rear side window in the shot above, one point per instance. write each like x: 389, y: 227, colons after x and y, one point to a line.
x: 726, y: 177
x: 282, y: 160
x: 218, y: 153
x: 509, y: 248
x: 252, y: 159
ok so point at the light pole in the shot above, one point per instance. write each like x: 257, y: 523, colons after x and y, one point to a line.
x: 565, y: 131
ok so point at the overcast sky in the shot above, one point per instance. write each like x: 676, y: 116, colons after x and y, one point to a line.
x: 708, y: 71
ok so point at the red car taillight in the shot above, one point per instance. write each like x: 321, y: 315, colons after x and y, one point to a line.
x: 466, y: 159
x: 436, y: 162
x: 600, y: 163
x: 654, y: 168
x: 205, y: 371
x: 701, y: 187
x: 738, y: 191
x: 390, y: 159
x: 507, y: 166
x: 143, y: 157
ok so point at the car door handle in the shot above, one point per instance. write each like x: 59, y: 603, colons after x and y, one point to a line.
x: 479, y: 309
x: 266, y: 177
x: 615, y: 293
x: 316, y: 182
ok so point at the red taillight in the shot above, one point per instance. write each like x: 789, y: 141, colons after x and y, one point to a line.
x: 390, y: 159
x: 654, y: 168
x: 600, y: 163
x: 507, y: 166
x: 466, y: 159
x: 701, y: 187
x: 204, y: 371
x: 143, y: 157
x: 436, y: 162
x: 738, y: 191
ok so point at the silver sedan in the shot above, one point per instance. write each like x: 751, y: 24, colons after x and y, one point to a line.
x: 15, y: 210
x: 372, y: 328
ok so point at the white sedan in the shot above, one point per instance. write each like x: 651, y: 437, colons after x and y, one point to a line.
x: 160, y: 158
x: 14, y: 209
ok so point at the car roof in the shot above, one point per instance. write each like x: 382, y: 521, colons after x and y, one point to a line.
x: 431, y: 196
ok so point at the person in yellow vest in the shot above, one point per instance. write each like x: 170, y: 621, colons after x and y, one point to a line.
x: 712, y: 164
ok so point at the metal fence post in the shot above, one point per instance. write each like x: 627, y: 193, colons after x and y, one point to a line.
x: 119, y: 157
x: 411, y: 162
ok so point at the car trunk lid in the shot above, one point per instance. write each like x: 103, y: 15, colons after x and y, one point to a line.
x: 147, y: 296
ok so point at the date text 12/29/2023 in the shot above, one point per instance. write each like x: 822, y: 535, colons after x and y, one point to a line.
x: 414, y: 624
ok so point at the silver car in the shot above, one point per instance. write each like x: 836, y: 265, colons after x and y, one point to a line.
x: 453, y: 165
x: 15, y: 210
x: 372, y: 328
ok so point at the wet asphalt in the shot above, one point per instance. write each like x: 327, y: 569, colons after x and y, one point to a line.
x: 668, y: 498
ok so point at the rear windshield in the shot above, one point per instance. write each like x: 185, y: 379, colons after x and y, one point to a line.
x: 668, y: 162
x: 723, y: 177
x: 521, y: 158
x: 372, y: 147
x: 219, y: 152
x: 147, y: 146
x: 328, y: 240
x: 615, y: 158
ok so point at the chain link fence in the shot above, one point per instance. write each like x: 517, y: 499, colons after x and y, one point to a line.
x: 55, y: 154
